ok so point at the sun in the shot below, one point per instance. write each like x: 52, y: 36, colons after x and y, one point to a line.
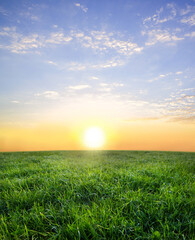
x: 94, y: 137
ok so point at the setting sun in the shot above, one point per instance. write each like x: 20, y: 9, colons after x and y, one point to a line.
x: 94, y: 137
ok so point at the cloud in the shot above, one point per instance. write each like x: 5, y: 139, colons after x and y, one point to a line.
x: 3, y: 11
x: 161, y: 76
x: 118, y: 84
x: 102, y: 41
x: 190, y: 20
x: 104, y: 84
x: 79, y: 87
x: 187, y: 10
x: 111, y: 84
x: 98, y: 41
x: 84, y: 9
x: 158, y: 32
x: 109, y: 64
x: 58, y: 38
x: 192, y: 34
x: 75, y: 66
x: 180, y: 106
x: 48, y: 94
x: 52, y: 63
x: 160, y: 36
x: 165, y: 75
x: 107, y: 87
x: 18, y: 43
x: 29, y: 15
x: 15, y: 101
x: 144, y: 119
x: 190, y: 119
x: 94, y: 78
x: 161, y: 16
x: 178, y: 73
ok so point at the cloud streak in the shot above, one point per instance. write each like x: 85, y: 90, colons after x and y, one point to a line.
x: 99, y: 41
x: 79, y: 87
x: 48, y: 94
x: 84, y: 9
x: 161, y: 36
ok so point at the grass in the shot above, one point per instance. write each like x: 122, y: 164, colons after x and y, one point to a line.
x: 97, y: 195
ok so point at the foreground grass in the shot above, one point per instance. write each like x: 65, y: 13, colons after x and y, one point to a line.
x: 97, y: 195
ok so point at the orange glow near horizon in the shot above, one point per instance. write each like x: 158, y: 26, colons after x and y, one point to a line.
x: 154, y: 135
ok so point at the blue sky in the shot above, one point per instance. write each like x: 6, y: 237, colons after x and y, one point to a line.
x: 69, y: 60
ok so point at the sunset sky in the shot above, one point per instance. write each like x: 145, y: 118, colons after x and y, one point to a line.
x: 125, y: 66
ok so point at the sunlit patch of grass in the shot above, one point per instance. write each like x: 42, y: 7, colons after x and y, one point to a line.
x: 97, y: 195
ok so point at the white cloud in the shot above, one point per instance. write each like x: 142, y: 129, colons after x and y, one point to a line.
x: 165, y: 75
x: 48, y: 94
x: 162, y: 36
x: 99, y: 41
x: 118, y: 84
x: 108, y: 64
x: 52, y: 63
x: 162, y: 15
x: 180, y: 106
x: 187, y: 10
x: 3, y: 11
x: 58, y: 38
x: 155, y: 27
x: 178, y: 73
x: 104, y: 84
x: 18, y: 43
x: 74, y: 66
x: 79, y: 87
x: 15, y: 101
x: 192, y: 34
x: 94, y: 78
x: 190, y: 20
x: 107, y: 87
x: 29, y: 15
x: 102, y: 41
x: 84, y: 9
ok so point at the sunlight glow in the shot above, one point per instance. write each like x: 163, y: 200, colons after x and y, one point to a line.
x: 94, y: 137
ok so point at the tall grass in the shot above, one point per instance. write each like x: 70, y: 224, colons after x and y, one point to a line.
x: 97, y: 195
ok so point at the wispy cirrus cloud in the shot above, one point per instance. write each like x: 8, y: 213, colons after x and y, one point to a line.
x: 82, y: 7
x: 163, y: 15
x: 180, y: 105
x: 103, y: 41
x: 29, y: 15
x: 15, y: 101
x: 155, y: 26
x: 191, y: 35
x: 161, y: 36
x: 170, y: 76
x: 79, y: 87
x: 48, y: 94
x: 3, y: 11
x: 107, y: 87
x: 99, y: 41
x: 96, y: 65
x: 190, y: 20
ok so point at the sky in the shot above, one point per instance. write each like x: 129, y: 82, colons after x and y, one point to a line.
x: 125, y: 66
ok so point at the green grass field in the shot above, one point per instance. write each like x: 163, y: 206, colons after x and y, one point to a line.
x: 97, y: 195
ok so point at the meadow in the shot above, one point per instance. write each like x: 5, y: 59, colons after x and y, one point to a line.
x: 97, y: 195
